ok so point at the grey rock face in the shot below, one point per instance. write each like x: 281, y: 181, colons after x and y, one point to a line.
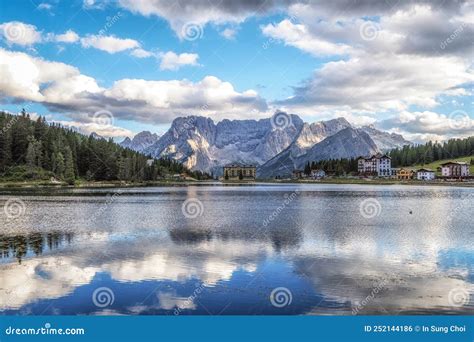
x: 278, y: 144
x: 141, y: 141
x: 346, y: 143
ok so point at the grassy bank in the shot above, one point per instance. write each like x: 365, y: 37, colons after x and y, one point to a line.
x: 434, y: 165
x: 117, y: 184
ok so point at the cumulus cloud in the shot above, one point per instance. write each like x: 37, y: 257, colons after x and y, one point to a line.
x: 383, y: 81
x: 63, y: 88
x: 173, y: 61
x: 201, y: 12
x: 428, y: 125
x: 109, y: 44
x: 229, y: 33
x: 87, y: 128
x: 15, y: 32
x: 168, y: 60
x: 141, y: 53
x: 44, y: 6
x: 68, y: 37
x: 392, y: 54
x: 298, y: 36
x: 27, y: 35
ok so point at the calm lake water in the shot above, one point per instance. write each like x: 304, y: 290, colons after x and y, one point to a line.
x: 256, y: 249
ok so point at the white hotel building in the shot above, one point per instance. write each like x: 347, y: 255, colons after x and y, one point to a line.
x: 378, y: 164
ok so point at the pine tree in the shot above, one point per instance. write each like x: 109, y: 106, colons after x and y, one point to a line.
x: 31, y: 155
x: 68, y: 166
x: 60, y: 166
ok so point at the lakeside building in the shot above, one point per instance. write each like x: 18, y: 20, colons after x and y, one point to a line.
x: 236, y: 171
x: 297, y: 174
x: 405, y: 174
x: 455, y: 169
x: 318, y: 173
x: 425, y: 174
x: 377, y: 165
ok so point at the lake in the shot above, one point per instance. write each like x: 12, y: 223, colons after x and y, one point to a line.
x: 315, y: 249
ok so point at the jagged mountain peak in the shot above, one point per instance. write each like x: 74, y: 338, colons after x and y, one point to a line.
x: 348, y: 142
x: 141, y: 141
x: 203, y: 144
x: 384, y: 140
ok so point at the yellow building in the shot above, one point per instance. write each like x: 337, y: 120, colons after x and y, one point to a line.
x: 240, y: 172
x: 404, y: 174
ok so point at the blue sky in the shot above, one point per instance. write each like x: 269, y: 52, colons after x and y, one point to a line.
x: 406, y: 69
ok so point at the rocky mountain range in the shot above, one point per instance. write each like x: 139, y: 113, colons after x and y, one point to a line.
x: 277, y: 145
x: 141, y: 141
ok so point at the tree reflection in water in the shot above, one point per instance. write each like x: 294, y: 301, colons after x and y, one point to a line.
x: 18, y: 246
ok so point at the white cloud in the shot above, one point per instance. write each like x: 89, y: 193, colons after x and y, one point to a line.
x: 68, y: 37
x: 172, y: 61
x: 179, y: 14
x: 298, y: 36
x: 141, y: 53
x: 95, y: 4
x: 109, y: 44
x: 229, y: 33
x: 376, y: 82
x: 19, y: 33
x: 106, y: 131
x: 63, y: 88
x: 44, y: 6
x: 31, y: 79
x: 427, y: 125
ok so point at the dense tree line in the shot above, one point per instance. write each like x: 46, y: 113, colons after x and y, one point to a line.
x: 406, y: 156
x: 337, y: 167
x: 432, y: 151
x: 38, y: 149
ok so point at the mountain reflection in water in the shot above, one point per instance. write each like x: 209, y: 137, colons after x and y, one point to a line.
x: 155, y: 260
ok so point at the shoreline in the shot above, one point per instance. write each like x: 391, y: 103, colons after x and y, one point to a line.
x: 104, y: 185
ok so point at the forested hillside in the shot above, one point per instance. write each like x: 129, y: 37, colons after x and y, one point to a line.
x: 37, y: 150
x: 432, y: 151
